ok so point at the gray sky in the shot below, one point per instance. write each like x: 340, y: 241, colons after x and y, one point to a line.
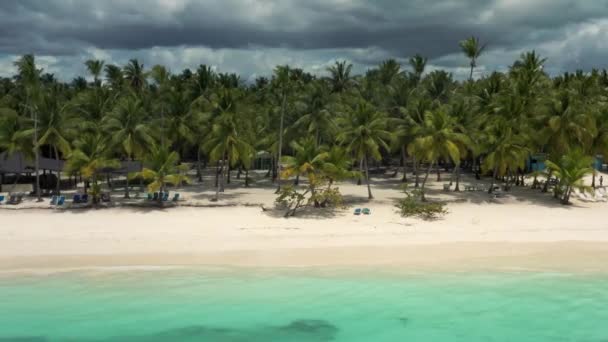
x: 250, y: 37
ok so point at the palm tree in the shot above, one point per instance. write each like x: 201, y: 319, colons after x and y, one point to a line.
x: 364, y: 132
x: 114, y: 76
x: 161, y: 168
x: 228, y: 144
x: 307, y: 160
x: 340, y: 76
x: 418, y: 64
x: 54, y: 129
x: 337, y: 165
x: 88, y: 109
x: 438, y: 139
x: 130, y: 134
x: 135, y: 75
x: 29, y: 76
x: 13, y: 135
x: 388, y: 71
x: 177, y: 120
x: 317, y: 118
x: 568, y: 124
x: 283, y: 85
x: 472, y: 48
x: 508, y: 151
x: 91, y: 154
x: 571, y: 169
x: 95, y: 67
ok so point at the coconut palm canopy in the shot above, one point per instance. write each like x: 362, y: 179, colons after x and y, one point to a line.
x: 329, y: 127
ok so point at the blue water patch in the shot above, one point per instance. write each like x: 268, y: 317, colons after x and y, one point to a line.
x: 303, y: 305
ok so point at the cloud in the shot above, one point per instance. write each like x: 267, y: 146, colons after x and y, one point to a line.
x: 252, y: 36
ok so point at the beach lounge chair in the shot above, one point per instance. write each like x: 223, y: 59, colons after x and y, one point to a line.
x: 84, y: 198
x: 446, y: 187
x: 61, y: 200
x: 54, y: 200
x: 176, y: 197
x: 357, y: 211
x: 149, y: 196
x: 15, y: 199
x: 165, y: 197
x: 155, y: 198
x: 1, y: 199
x: 105, y: 197
x: 366, y: 211
x: 76, y: 199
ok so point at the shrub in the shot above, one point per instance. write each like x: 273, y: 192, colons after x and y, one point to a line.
x: 413, y: 205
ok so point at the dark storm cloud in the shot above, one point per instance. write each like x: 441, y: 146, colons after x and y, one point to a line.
x: 390, y: 27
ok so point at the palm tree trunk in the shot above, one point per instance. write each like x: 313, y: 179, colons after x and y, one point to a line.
x: 593, y: 179
x: 127, y: 185
x: 281, y: 141
x: 417, y: 184
x: 199, y: 172
x: 58, y: 185
x: 228, y: 169
x: 471, y: 74
x: 566, y: 197
x: 426, y: 177
x: 217, y: 173
x: 217, y: 187
x: 457, y: 188
x: 369, y: 189
x: 360, y: 171
x: 403, y: 156
x: 438, y: 173
x: 546, y: 186
x: 37, y: 156
x: 224, y: 170
x: 246, y: 178
x: 109, y: 181
x: 297, y: 181
x: 453, y: 175
x: 495, y: 174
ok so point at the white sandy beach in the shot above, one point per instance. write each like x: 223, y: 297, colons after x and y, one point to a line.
x: 525, y: 229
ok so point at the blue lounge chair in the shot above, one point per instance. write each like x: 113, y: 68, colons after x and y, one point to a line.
x: 366, y: 211
x: 155, y: 198
x: 165, y: 197
x: 1, y: 199
x: 53, y: 200
x: 84, y: 198
x: 61, y: 200
x: 149, y: 196
x: 357, y: 211
x: 176, y: 197
x: 76, y: 198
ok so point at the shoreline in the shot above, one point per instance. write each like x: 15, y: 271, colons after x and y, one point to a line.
x: 567, y: 256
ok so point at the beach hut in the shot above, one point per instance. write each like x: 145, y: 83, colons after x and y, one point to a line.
x: 263, y: 161
x: 536, y: 162
x: 598, y: 162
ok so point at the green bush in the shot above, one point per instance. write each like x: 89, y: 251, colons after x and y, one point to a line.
x: 413, y: 205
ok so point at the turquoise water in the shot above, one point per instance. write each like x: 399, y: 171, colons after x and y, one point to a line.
x: 302, y: 305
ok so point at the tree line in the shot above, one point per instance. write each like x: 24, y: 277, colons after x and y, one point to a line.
x: 321, y: 128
